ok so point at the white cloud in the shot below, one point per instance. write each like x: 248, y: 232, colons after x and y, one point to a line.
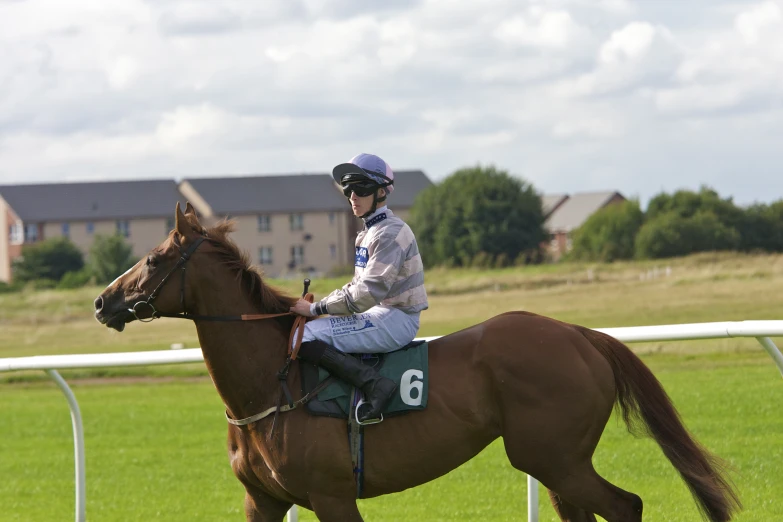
x: 629, y: 43
x: 752, y: 24
x: 398, y: 43
x: 738, y: 66
x: 589, y: 127
x: 184, y: 125
x: 574, y: 94
x: 122, y: 72
x: 698, y: 98
x: 540, y: 28
x: 617, y: 6
x: 635, y: 57
x: 198, y: 18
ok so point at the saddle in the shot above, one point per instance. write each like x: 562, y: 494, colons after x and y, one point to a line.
x: 407, y: 367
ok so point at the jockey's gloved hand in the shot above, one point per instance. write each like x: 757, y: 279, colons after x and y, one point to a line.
x: 302, y: 307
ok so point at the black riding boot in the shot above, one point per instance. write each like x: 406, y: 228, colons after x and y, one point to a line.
x: 378, y: 391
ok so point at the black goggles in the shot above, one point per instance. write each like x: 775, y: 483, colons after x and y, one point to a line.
x: 360, y: 189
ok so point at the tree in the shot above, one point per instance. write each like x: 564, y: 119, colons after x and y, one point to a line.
x: 110, y: 257
x: 774, y: 215
x: 762, y: 228
x: 686, y: 204
x: 671, y: 234
x: 49, y: 259
x: 479, y: 211
x: 608, y: 234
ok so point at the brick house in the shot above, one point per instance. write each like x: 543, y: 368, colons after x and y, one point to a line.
x: 287, y: 223
x: 142, y: 211
x: 564, y: 214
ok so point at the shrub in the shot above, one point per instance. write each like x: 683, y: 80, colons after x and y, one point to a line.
x: 609, y: 234
x: 670, y: 235
x: 76, y: 279
x: 110, y: 257
x: 50, y: 259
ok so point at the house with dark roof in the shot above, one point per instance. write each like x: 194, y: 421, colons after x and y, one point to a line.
x: 292, y: 223
x: 287, y: 223
x: 569, y: 213
x: 142, y: 211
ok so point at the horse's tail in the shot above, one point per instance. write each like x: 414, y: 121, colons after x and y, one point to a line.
x: 647, y: 409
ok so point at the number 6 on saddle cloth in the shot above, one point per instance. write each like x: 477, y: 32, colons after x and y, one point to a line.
x: 407, y: 367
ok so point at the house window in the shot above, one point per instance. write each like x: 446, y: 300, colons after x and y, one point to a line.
x: 169, y: 225
x: 90, y: 227
x: 15, y: 233
x: 30, y: 233
x: 265, y: 255
x: 297, y: 222
x: 66, y: 230
x: 264, y: 223
x: 123, y: 227
x: 333, y: 251
x: 297, y: 255
x: 331, y: 218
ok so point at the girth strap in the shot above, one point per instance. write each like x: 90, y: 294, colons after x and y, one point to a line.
x: 356, y: 443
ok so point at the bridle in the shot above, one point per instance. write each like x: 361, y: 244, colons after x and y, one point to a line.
x: 294, y: 341
x: 181, y: 265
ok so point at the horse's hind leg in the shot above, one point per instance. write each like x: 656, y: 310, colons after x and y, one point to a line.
x: 569, y: 512
x: 587, y: 490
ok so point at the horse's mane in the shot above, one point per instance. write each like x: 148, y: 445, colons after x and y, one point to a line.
x: 268, y: 299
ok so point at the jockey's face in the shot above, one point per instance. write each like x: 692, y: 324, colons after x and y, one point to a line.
x: 362, y: 204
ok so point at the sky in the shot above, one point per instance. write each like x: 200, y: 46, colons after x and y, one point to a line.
x: 570, y: 95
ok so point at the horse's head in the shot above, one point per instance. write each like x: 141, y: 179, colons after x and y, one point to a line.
x: 156, y: 284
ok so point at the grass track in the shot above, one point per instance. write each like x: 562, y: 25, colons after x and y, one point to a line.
x: 155, y: 451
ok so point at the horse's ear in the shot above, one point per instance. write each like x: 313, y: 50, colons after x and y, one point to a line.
x: 190, y: 214
x: 181, y: 223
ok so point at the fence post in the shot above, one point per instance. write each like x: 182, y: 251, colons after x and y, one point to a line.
x: 532, y: 499
x: 78, y: 444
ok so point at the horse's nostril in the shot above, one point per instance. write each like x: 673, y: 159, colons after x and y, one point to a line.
x: 99, y: 304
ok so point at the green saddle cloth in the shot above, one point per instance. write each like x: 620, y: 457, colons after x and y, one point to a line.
x: 407, y: 367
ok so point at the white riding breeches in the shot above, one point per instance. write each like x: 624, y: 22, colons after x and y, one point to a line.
x: 378, y: 330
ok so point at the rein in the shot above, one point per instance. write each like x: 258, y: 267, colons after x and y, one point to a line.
x: 294, y: 339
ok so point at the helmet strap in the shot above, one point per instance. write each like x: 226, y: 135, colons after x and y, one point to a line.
x: 375, y: 201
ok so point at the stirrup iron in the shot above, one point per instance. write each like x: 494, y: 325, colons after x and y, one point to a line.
x: 368, y: 422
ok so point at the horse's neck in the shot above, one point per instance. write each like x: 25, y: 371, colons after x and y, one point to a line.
x: 243, y: 358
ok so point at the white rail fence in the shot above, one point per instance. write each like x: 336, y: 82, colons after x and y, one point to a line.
x: 761, y: 330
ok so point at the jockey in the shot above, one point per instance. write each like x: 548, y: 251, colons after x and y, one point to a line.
x: 378, y: 311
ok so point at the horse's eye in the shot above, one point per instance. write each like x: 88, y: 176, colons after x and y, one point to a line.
x: 151, y: 262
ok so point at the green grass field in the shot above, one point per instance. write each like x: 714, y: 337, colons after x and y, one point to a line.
x: 155, y: 451
x: 155, y: 448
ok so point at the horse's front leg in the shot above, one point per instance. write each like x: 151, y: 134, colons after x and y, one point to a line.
x: 332, y: 509
x: 260, y: 507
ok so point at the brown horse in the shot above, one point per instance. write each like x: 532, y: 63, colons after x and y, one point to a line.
x: 546, y: 387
